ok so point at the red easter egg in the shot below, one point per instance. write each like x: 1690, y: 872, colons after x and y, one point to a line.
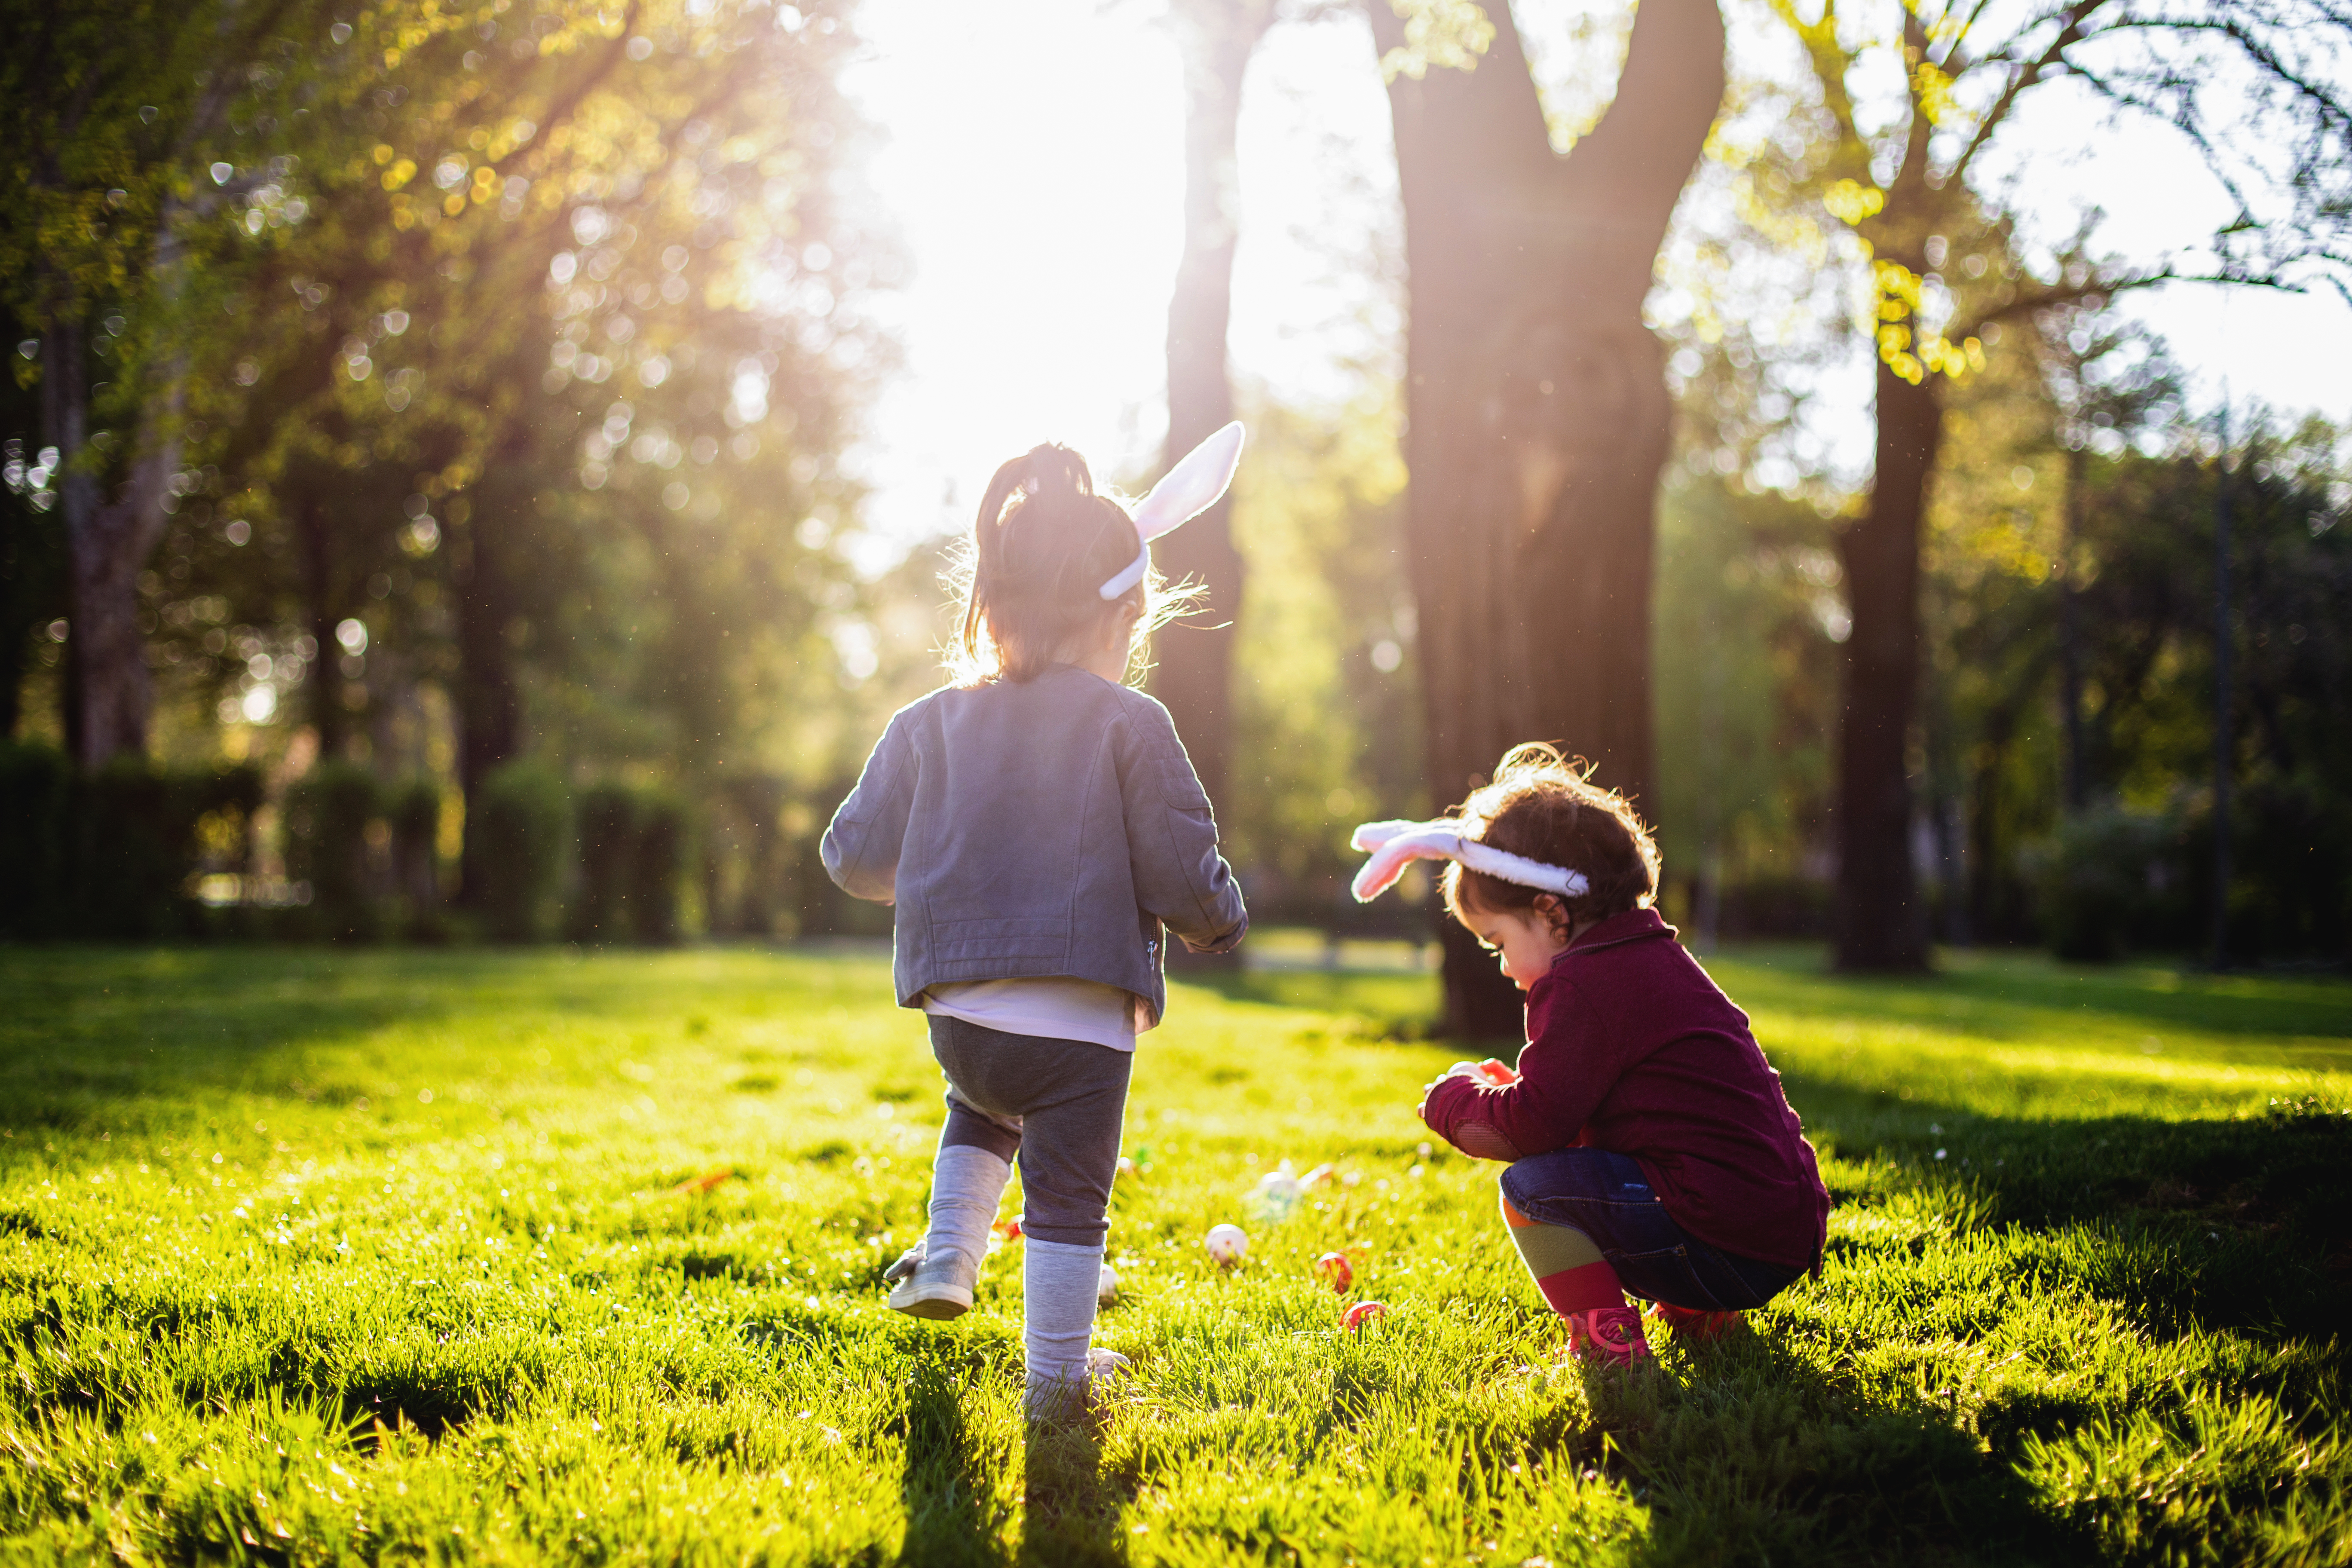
x: 1335, y: 1268
x: 1362, y: 1312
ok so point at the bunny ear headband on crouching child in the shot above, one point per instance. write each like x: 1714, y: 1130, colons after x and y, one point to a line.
x: 1191, y: 488
x: 1395, y: 845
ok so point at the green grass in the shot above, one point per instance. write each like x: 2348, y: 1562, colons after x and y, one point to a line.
x: 311, y: 1255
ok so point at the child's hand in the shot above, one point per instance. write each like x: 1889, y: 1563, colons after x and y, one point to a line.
x: 1488, y: 1074
x: 1459, y: 1070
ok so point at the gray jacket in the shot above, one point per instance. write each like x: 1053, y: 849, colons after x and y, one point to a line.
x: 1040, y: 828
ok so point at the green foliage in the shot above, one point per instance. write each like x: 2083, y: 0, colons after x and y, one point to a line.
x: 413, y: 811
x: 32, y: 539
x: 2113, y: 878
x: 327, y: 817
x: 613, y: 236
x: 525, y: 337
x: 452, y: 1287
x: 608, y: 844
x: 519, y: 840
x: 35, y: 807
x: 133, y: 833
x: 2066, y: 470
x: 2141, y: 563
x: 1451, y: 35
x: 2063, y: 475
x: 657, y: 868
x: 1326, y: 699
x: 1746, y: 597
x: 133, y: 842
x: 634, y: 848
x: 2291, y: 842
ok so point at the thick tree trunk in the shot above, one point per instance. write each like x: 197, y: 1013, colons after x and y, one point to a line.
x: 107, y: 691
x: 1194, y: 673
x: 1537, y: 415
x: 1879, y: 923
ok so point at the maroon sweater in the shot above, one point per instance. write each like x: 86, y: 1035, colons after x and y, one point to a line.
x: 1631, y: 1048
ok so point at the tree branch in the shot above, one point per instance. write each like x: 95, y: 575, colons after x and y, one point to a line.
x: 2020, y: 80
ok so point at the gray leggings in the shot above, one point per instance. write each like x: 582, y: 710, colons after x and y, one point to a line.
x: 1055, y: 1104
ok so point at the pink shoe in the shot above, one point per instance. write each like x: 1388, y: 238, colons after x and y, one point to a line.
x: 1611, y: 1335
x: 1688, y: 1323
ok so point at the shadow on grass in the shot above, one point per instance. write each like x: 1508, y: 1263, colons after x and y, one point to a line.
x: 1401, y: 1007
x: 2001, y: 996
x: 1749, y: 1450
x: 951, y: 1517
x: 92, y: 1037
x: 2006, y: 994
x: 2243, y: 1223
x: 1073, y: 1508
x: 1763, y: 1451
x: 950, y: 1485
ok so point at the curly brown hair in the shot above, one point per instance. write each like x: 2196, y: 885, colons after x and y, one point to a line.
x: 1545, y: 807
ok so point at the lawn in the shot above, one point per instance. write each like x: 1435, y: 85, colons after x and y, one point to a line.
x: 309, y: 1255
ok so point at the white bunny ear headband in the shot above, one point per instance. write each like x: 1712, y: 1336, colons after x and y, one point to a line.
x: 1395, y: 845
x: 1189, y: 488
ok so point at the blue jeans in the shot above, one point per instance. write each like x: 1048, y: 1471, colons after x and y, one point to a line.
x: 1608, y: 1197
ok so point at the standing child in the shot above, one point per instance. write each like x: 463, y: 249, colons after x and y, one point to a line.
x: 1040, y: 831
x: 1650, y: 1147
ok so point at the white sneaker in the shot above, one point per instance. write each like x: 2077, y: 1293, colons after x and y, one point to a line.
x: 938, y: 1290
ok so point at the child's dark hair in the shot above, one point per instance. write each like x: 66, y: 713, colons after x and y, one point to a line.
x: 1031, y: 576
x: 1547, y: 809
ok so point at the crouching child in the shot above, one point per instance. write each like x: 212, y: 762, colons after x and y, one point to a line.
x: 1649, y: 1149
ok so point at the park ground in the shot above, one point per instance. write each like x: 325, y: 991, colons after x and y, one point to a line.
x: 313, y: 1256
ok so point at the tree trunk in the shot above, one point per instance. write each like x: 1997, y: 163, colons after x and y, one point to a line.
x: 32, y: 574
x: 16, y: 614
x: 1986, y: 903
x: 1194, y: 673
x: 1878, y: 922
x: 107, y: 691
x: 2070, y: 640
x: 327, y: 714
x: 488, y: 697
x: 1537, y: 415
x: 2225, y: 730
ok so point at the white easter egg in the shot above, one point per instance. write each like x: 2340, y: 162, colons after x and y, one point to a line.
x: 1228, y: 1244
x: 1106, y: 1286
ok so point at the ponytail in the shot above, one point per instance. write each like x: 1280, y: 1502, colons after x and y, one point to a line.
x: 1043, y: 543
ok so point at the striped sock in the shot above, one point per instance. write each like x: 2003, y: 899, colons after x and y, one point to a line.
x: 1568, y: 1268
